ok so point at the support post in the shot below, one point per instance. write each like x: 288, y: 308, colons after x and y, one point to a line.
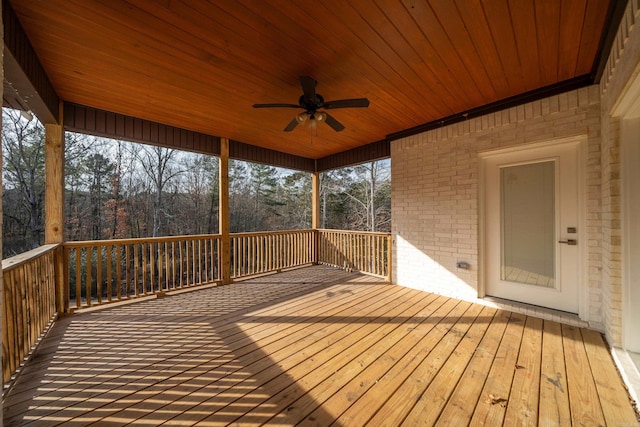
x: 54, y: 204
x: 315, y: 215
x: 223, y: 213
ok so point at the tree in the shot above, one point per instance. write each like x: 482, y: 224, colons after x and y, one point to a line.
x: 158, y: 164
x: 264, y: 185
x: 333, y: 201
x: 200, y: 212
x: 23, y: 172
x: 100, y: 170
x: 115, y: 207
x: 239, y: 215
x: 295, y: 194
x: 357, y: 198
x: 88, y: 171
x: 118, y: 189
x: 368, y: 208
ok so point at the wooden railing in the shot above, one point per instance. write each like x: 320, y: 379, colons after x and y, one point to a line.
x: 98, y: 272
x: 356, y: 251
x: 28, y: 304
x: 256, y: 253
x: 112, y: 270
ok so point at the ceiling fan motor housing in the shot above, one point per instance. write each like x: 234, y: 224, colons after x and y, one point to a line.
x: 311, y: 105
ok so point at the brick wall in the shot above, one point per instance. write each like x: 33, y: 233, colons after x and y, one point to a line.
x: 435, y: 186
x: 435, y: 191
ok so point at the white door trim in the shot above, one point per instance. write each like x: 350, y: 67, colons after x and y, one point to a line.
x: 627, y: 108
x: 630, y: 154
x: 581, y: 142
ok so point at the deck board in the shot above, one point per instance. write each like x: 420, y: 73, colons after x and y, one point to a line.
x: 583, y: 395
x: 316, y: 346
x: 491, y: 407
x: 554, y: 399
x: 467, y: 392
x: 523, y: 402
x: 428, y: 408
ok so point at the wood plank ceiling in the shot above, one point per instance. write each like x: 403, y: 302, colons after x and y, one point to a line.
x: 200, y: 65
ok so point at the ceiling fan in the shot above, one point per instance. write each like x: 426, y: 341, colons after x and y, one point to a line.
x: 312, y: 102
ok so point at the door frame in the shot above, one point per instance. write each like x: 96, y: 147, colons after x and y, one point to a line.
x: 627, y: 110
x: 580, y: 141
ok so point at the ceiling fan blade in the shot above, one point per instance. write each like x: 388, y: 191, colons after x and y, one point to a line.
x: 308, y: 87
x: 331, y: 121
x: 347, y: 103
x: 275, y: 106
x: 292, y: 125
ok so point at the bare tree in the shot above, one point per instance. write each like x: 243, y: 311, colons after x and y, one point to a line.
x: 116, y: 205
x: 357, y: 198
x: 365, y: 195
x: 23, y: 152
x: 160, y: 166
x: 201, y: 190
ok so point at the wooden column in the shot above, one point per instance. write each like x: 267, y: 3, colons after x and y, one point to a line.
x: 315, y: 200
x: 315, y: 214
x: 54, y: 203
x: 54, y: 184
x: 223, y: 212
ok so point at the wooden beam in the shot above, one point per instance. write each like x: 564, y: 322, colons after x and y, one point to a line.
x: 24, y: 72
x: 54, y: 204
x: 367, y: 153
x: 92, y: 121
x: 223, y: 213
x: 252, y: 153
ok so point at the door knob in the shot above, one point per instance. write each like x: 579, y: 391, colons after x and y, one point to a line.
x: 570, y: 242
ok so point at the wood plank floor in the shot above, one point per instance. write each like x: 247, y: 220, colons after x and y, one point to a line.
x: 317, y: 346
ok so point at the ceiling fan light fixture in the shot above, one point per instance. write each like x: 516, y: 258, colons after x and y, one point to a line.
x: 301, y: 118
x: 321, y: 117
x: 313, y: 122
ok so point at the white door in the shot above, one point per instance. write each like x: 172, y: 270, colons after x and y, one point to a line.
x: 532, y: 236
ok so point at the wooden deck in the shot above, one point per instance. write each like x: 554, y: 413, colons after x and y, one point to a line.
x: 317, y: 346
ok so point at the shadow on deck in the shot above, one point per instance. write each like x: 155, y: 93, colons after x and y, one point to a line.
x: 316, y: 346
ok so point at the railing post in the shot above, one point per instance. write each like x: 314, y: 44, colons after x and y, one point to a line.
x: 223, y: 213
x: 389, y: 257
x: 315, y: 215
x: 62, y: 291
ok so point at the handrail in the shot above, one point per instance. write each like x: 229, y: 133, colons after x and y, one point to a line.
x: 352, y: 232
x: 28, y: 304
x: 83, y: 243
x: 25, y: 257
